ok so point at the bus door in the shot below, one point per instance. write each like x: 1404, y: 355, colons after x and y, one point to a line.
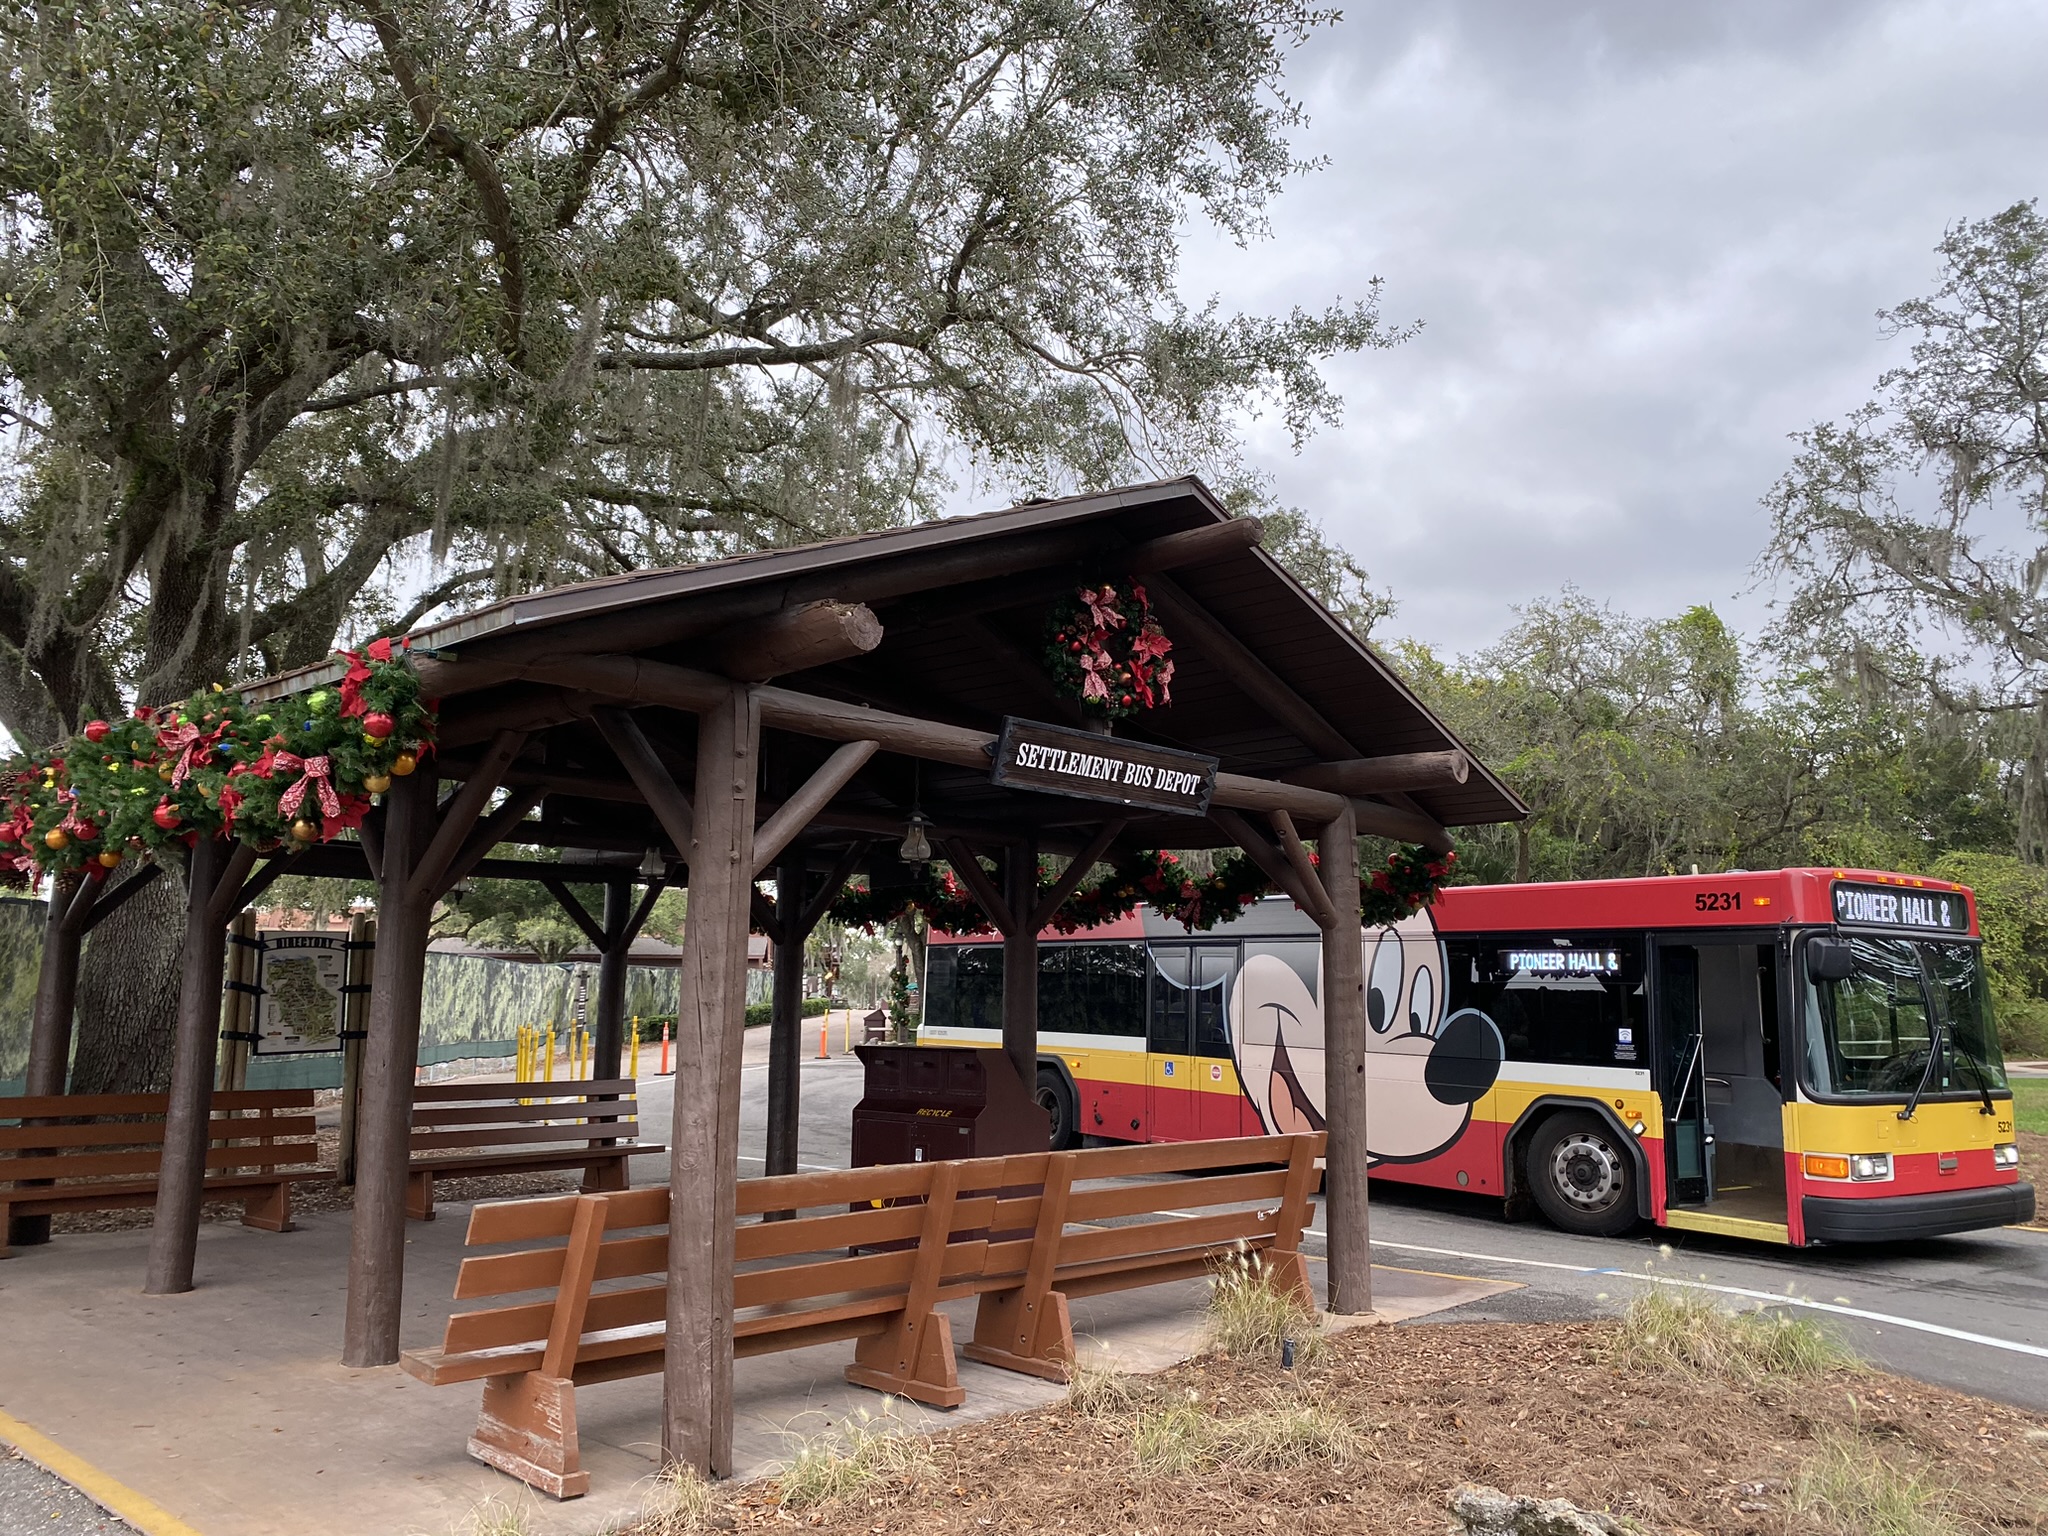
x: 1170, y: 1108
x: 1736, y: 1084
x: 1221, y: 1106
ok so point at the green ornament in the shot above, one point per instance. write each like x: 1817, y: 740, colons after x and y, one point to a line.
x: 319, y: 699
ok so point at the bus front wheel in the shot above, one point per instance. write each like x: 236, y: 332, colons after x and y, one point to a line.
x: 1582, y: 1176
x: 1056, y: 1098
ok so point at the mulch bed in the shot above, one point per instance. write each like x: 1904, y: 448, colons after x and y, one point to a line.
x: 1531, y: 1409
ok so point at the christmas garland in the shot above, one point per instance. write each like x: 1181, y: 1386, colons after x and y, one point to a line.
x: 294, y: 770
x: 1107, y: 651
x: 1408, y: 882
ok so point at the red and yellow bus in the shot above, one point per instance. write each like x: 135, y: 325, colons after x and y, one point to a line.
x: 1801, y: 1055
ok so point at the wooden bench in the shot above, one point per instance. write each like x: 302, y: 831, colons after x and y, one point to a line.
x: 477, y: 1130
x: 103, y: 1152
x: 1245, y: 1195
x: 593, y: 1305
x: 601, y: 1314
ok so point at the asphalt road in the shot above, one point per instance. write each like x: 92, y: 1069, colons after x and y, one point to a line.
x: 1968, y: 1312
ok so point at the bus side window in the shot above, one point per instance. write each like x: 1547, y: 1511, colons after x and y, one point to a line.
x: 940, y: 971
x: 1304, y: 957
x: 1092, y: 989
x: 1167, y: 1031
x: 979, y: 996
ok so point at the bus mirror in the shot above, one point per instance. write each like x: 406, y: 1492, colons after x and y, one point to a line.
x: 1830, y: 960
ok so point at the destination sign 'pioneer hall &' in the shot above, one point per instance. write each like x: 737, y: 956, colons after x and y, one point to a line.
x: 1057, y: 761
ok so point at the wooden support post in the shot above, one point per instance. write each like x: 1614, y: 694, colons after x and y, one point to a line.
x: 697, y: 1368
x: 355, y: 1014
x: 1344, y: 1035
x: 1020, y: 963
x: 610, y: 1038
x: 238, y: 1008
x: 376, y: 1259
x: 49, y: 1040
x: 785, y: 1018
x: 214, y: 871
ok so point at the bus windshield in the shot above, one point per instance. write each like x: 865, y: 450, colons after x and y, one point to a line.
x: 1869, y: 1034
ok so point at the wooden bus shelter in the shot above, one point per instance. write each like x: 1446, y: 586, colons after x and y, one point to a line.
x: 784, y: 715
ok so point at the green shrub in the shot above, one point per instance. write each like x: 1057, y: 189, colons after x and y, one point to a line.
x: 1668, y: 1330
x: 1251, y: 1320
x: 2012, y: 911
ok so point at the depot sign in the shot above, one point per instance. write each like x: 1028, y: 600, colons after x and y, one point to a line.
x: 1056, y: 761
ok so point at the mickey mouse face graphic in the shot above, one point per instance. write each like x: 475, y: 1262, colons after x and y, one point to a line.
x: 1423, y: 1072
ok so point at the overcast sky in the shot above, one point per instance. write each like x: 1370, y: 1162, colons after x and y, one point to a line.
x: 1647, y: 241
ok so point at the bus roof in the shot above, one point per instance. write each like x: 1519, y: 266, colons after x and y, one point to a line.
x: 1737, y: 899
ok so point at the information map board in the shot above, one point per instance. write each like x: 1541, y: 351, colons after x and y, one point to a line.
x: 299, y: 1007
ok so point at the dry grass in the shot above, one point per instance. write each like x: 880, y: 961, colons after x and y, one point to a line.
x: 678, y: 1502
x: 1852, y: 1487
x: 1674, y: 1330
x: 1280, y: 1430
x: 1249, y: 1320
x: 1097, y: 1389
x: 494, y: 1517
x: 868, y: 1452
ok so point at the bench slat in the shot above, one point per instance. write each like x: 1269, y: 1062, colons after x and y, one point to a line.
x: 568, y: 1088
x: 800, y: 1191
x: 525, y: 1135
x: 1172, y: 1235
x: 67, y: 1106
x: 471, y: 1165
x: 429, y: 1117
x: 142, y: 1133
x: 525, y: 1221
x: 1177, y: 1157
x: 1138, y: 1199
x: 86, y: 1165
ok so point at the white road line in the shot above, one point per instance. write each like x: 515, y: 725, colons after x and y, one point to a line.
x: 1775, y: 1297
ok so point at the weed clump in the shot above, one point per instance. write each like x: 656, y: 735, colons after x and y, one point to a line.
x: 867, y: 1452
x: 679, y: 1501
x: 1251, y: 1320
x: 1172, y: 1439
x: 1096, y: 1389
x: 1666, y: 1329
x: 1853, y: 1487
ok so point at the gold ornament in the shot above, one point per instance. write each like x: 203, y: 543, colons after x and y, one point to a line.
x: 377, y: 783
x: 404, y: 764
x: 304, y: 830
x: 110, y: 859
x: 56, y: 837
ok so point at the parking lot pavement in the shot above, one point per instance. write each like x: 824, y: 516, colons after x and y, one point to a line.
x: 33, y: 1503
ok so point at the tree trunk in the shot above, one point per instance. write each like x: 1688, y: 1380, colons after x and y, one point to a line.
x: 128, y: 993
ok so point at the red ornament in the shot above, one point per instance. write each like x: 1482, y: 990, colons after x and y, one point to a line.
x: 7, y: 834
x: 1127, y: 701
x: 96, y: 731
x: 378, y: 725
x: 87, y: 831
x: 166, y: 815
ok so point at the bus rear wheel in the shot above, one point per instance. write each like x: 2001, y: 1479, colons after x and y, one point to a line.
x: 1056, y: 1097
x: 1582, y: 1176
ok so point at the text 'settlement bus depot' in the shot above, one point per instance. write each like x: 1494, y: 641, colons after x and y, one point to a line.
x: 1802, y: 1055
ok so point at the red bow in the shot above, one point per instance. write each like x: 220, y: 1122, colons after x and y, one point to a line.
x: 1101, y: 613
x: 316, y: 773
x: 190, y: 743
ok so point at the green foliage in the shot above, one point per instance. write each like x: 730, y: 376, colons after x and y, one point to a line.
x: 2012, y: 910
x: 21, y: 957
x: 2030, y: 1101
x: 763, y: 1013
x: 1668, y: 1331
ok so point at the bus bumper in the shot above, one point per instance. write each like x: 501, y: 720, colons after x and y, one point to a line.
x: 1897, y: 1218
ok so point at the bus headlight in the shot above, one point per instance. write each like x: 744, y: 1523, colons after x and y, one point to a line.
x: 2005, y: 1155
x: 1871, y: 1165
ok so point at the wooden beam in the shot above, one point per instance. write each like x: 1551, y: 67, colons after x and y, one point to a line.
x: 226, y: 899
x: 264, y: 878
x: 565, y: 898
x: 765, y: 917
x: 370, y: 837
x: 801, y: 808
x: 632, y: 681
x: 1070, y: 879
x: 646, y: 908
x: 1378, y: 820
x: 976, y: 879
x: 116, y: 897
x: 1303, y: 866
x: 469, y: 722
x: 465, y: 807
x: 650, y: 775
x: 1020, y: 965
x: 1378, y: 775
x: 83, y: 898
x: 487, y: 834
x: 1194, y: 546
x: 842, y: 870
x: 1272, y: 863
x: 1195, y: 628
x: 795, y: 640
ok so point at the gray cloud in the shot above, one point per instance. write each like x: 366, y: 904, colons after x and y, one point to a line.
x: 1646, y: 242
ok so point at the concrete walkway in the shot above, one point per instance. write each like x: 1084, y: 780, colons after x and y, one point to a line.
x: 227, y: 1410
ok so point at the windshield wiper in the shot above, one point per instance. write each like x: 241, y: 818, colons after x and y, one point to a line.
x: 1935, y: 1031
x: 1977, y: 1071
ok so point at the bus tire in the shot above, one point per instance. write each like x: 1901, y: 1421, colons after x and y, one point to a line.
x: 1056, y: 1097
x: 1582, y: 1176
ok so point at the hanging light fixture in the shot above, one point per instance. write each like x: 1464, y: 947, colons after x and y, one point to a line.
x: 652, y: 865
x: 917, y: 846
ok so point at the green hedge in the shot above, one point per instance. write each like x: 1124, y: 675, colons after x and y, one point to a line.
x: 760, y: 1013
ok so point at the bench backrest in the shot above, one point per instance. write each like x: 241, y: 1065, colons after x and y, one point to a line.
x: 857, y: 1242
x: 78, y: 1137
x: 846, y: 1255
x: 458, y: 1117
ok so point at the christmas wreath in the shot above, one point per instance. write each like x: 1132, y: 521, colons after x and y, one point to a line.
x: 294, y: 770
x: 1408, y: 882
x: 1105, y: 649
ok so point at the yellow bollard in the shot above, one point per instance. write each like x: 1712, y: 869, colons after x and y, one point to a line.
x: 634, y: 1071
x: 551, y: 1053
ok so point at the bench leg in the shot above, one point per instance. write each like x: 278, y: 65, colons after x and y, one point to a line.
x: 528, y: 1429
x: 419, y: 1196
x: 932, y: 1378
x: 1011, y: 1333
x: 1286, y: 1274
x: 269, y: 1209
x: 607, y: 1177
